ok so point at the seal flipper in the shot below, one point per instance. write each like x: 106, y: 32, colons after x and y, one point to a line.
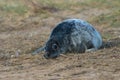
x: 91, y: 50
x: 38, y: 50
x: 82, y: 48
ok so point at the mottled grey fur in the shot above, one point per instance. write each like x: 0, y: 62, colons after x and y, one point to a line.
x: 72, y: 35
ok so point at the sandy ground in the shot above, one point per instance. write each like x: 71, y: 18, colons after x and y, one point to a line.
x: 99, y: 65
x: 16, y: 44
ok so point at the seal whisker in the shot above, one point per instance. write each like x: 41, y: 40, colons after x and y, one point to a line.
x: 63, y: 55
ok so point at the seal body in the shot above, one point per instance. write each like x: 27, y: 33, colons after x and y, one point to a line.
x: 72, y: 35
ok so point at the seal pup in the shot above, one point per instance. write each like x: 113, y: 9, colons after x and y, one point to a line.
x: 71, y: 35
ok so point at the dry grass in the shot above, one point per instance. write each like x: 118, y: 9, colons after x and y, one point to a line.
x: 26, y: 24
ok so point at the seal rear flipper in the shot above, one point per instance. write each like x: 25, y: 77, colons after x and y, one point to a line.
x: 91, y: 50
x: 82, y: 48
x: 38, y: 50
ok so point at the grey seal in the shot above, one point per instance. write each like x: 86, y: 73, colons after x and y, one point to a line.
x: 71, y: 35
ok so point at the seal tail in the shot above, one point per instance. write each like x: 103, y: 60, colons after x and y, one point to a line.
x: 108, y: 44
x: 38, y: 50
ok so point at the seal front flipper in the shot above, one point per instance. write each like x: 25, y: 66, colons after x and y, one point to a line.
x: 38, y: 50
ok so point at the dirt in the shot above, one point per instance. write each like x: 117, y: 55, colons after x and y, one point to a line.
x: 18, y: 41
x: 100, y: 65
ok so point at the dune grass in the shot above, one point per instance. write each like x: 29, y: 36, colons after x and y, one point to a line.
x: 14, y: 7
x: 109, y: 20
x: 21, y: 7
x: 46, y: 8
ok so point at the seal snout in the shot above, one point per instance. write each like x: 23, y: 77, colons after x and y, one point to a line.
x: 48, y: 56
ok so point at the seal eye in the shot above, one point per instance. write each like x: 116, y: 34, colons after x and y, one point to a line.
x: 54, y: 46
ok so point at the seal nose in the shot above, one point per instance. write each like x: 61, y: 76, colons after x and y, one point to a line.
x: 47, y: 55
